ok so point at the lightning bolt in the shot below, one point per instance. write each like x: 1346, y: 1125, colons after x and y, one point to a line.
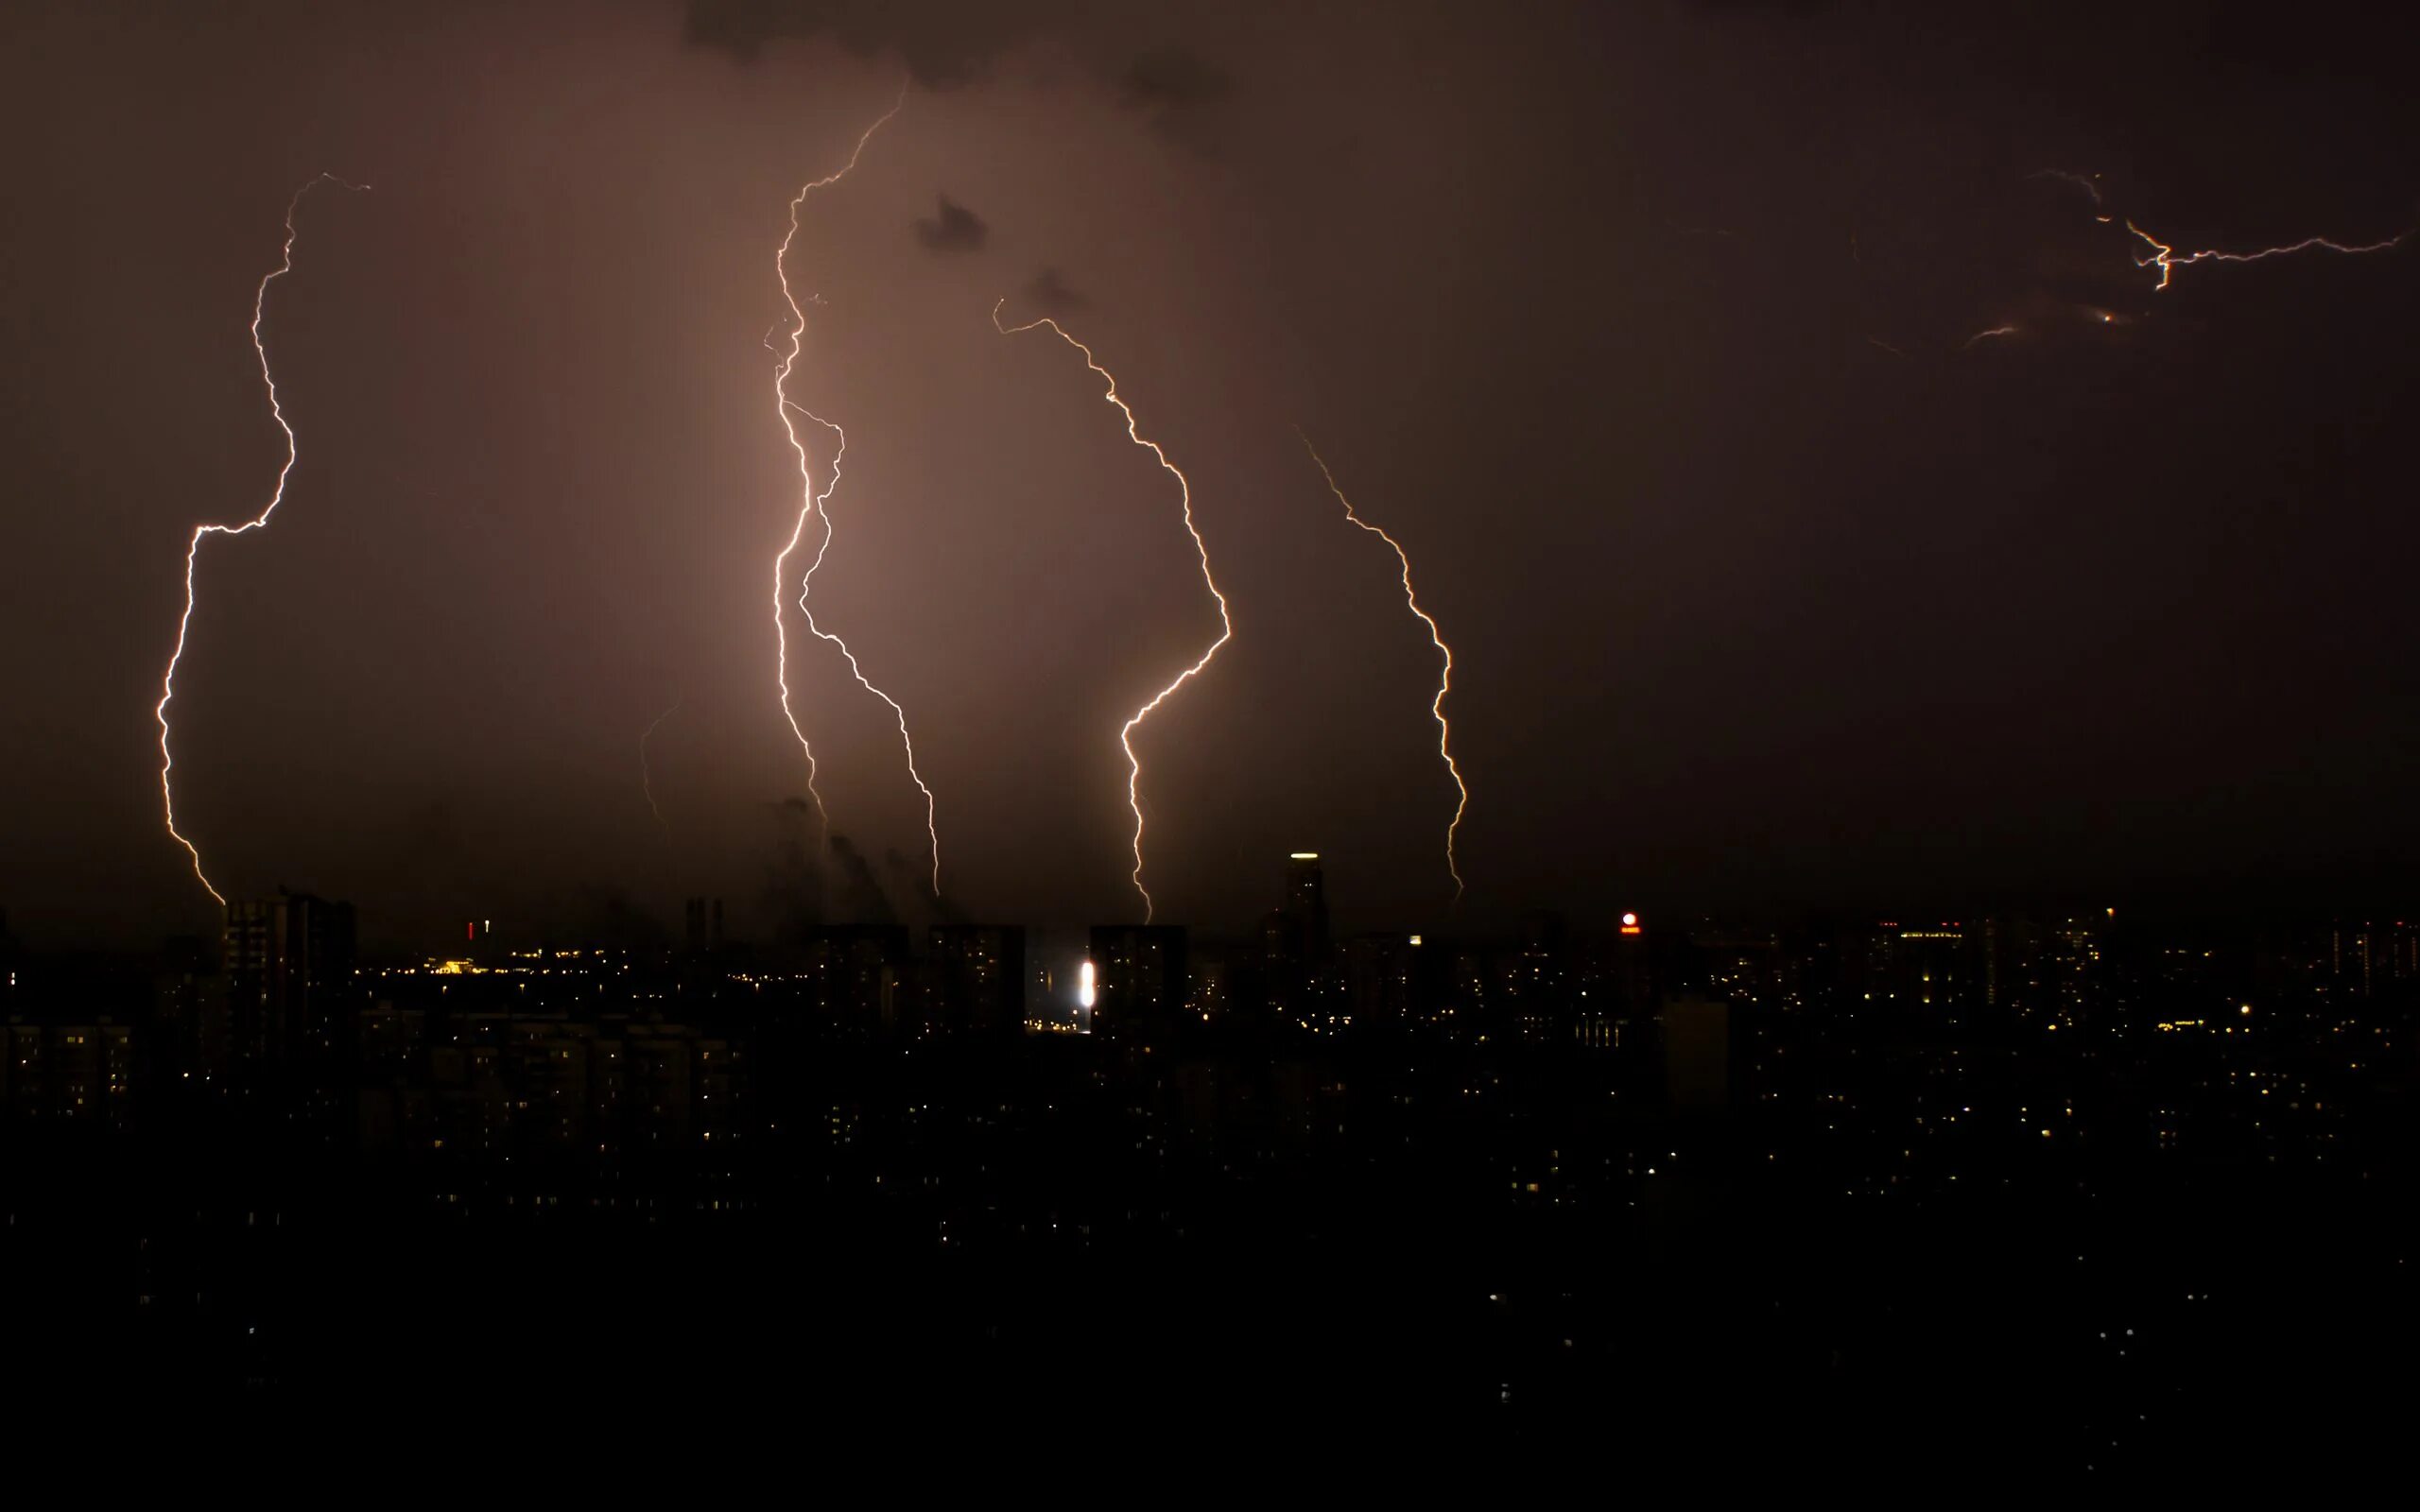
x: 1985, y: 336
x: 782, y: 406
x: 1444, y: 675
x: 193, y: 543
x: 646, y: 774
x: 2088, y: 182
x: 2168, y: 260
x: 1202, y: 549
x: 807, y: 586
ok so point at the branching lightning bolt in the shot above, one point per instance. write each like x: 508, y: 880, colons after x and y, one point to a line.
x: 2168, y: 260
x: 193, y: 543
x: 1445, y: 676
x: 1202, y: 549
x: 782, y: 406
x: 807, y: 586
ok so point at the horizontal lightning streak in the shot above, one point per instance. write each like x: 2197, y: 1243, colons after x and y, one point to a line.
x: 1446, y: 676
x: 193, y: 543
x: 2168, y: 260
x: 1202, y: 549
x: 782, y: 407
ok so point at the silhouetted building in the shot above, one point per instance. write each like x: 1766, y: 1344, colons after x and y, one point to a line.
x: 1934, y: 968
x: 1378, y: 979
x: 705, y: 921
x: 854, y: 973
x: 1535, y: 989
x: 1696, y: 1055
x: 977, y: 978
x: 1307, y: 904
x: 65, y: 1067
x: 189, y: 1009
x: 1740, y: 966
x: 1139, y: 978
x: 1628, y: 974
x: 1054, y: 963
x: 289, y: 964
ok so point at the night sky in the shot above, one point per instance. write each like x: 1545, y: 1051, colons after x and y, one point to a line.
x: 1645, y: 328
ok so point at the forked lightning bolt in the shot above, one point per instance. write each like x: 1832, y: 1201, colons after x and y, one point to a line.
x: 2168, y: 260
x: 1445, y: 676
x: 1226, y: 625
x: 193, y: 543
x: 807, y: 586
x: 782, y: 407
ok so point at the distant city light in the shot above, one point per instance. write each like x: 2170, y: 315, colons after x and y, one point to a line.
x: 1084, y: 990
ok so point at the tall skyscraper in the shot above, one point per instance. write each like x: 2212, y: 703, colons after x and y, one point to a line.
x: 289, y: 973
x: 705, y: 921
x: 1306, y: 902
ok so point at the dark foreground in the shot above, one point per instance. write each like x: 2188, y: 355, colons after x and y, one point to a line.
x: 1873, y: 1257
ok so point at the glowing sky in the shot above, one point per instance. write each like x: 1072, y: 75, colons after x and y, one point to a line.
x: 1643, y: 328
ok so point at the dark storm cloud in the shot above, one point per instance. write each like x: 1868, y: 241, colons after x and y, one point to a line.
x: 1787, y: 8
x: 1174, y: 77
x: 1049, y: 293
x: 944, y: 44
x: 952, y: 229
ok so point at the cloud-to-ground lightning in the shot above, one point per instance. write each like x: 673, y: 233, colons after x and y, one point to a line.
x: 2168, y: 259
x: 782, y: 407
x: 647, y: 773
x: 823, y: 507
x: 1202, y: 549
x: 193, y: 543
x: 1444, y: 675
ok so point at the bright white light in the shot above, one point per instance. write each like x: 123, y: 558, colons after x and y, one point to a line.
x: 1630, y: 920
x: 1304, y: 855
x: 1084, y: 990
